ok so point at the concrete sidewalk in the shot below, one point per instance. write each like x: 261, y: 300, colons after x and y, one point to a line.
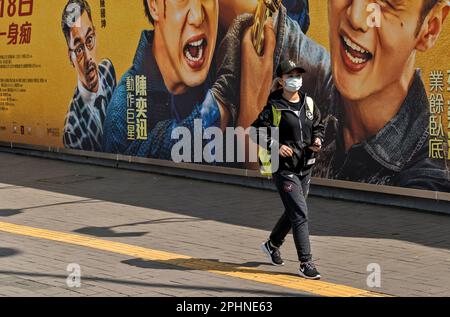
x: 216, y: 222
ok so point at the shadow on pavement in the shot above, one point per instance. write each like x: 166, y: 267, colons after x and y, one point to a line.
x: 250, y: 292
x: 197, y: 264
x: 4, y: 252
x: 215, y: 265
x: 13, y: 212
x: 109, y: 232
x: 9, y: 212
x: 223, y: 203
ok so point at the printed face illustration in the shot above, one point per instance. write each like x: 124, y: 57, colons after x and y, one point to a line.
x: 82, y: 52
x: 365, y: 58
x: 189, y: 30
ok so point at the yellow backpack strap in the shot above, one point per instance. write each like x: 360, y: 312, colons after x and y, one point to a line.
x: 264, y: 154
x: 276, y: 116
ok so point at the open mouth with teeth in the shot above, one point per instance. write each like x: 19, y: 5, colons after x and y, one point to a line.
x: 355, y: 57
x: 194, y: 52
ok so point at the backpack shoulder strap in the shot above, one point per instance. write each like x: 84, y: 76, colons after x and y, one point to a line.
x: 276, y: 116
x: 310, y: 104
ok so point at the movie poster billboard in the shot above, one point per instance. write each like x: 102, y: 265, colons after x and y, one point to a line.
x: 184, y: 80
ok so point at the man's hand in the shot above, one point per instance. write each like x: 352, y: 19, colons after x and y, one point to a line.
x: 286, y: 151
x: 256, y: 80
x: 244, y: 78
x: 256, y: 75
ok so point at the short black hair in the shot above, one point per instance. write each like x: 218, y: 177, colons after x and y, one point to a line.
x: 147, y: 12
x: 427, y: 6
x: 72, y: 11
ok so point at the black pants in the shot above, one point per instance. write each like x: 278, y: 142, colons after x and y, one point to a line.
x: 293, y: 190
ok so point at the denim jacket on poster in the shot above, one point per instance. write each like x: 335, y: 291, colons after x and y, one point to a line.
x: 298, y: 10
x: 165, y: 111
x: 397, y: 155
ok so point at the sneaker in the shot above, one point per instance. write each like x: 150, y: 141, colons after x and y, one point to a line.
x: 273, y: 253
x: 308, y: 270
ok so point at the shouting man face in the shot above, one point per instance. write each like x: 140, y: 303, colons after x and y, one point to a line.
x: 185, y: 39
x: 79, y: 32
x: 82, y: 51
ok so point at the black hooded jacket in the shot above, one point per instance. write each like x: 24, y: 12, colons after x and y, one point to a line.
x: 298, y: 128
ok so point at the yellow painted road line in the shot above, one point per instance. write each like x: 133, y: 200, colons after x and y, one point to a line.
x: 320, y: 288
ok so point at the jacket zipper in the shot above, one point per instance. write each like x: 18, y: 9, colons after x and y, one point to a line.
x: 301, y: 126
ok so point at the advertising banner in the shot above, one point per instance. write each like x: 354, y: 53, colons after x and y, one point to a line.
x: 188, y: 80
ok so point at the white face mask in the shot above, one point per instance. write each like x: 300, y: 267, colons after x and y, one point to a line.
x: 293, y: 84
